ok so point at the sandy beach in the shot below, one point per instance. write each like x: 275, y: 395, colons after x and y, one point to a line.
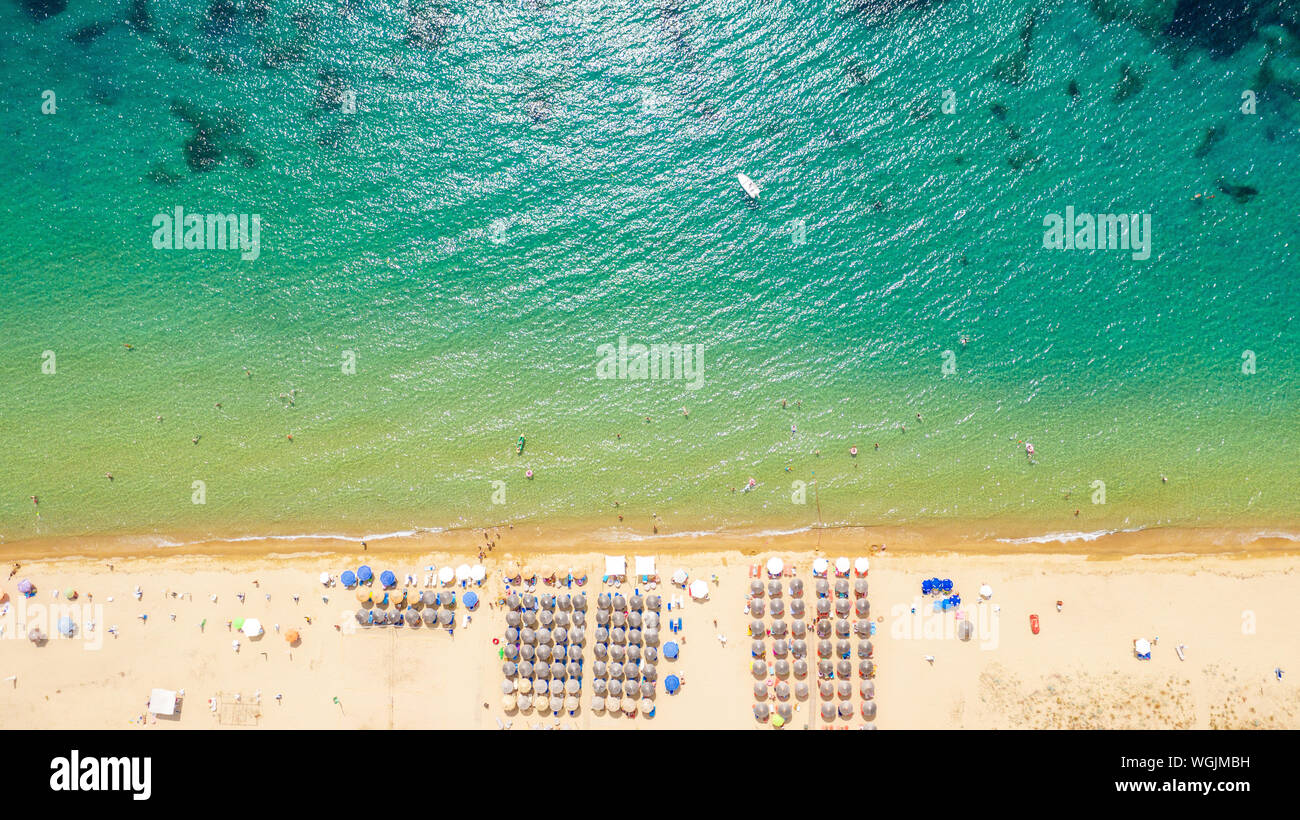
x: 1231, y: 614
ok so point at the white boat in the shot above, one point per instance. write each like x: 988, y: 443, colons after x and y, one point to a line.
x: 749, y: 185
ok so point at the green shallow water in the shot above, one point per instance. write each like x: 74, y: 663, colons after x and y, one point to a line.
x: 547, y: 178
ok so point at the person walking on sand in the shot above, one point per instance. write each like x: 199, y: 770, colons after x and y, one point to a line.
x: 929, y: 659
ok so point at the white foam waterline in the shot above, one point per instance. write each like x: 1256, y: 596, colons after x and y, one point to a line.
x: 1067, y: 537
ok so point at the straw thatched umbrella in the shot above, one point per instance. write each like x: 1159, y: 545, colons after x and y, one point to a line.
x: 649, y: 672
x: 823, y: 588
x: 757, y: 649
x: 509, y: 669
x: 846, y: 710
x: 544, y: 652
x: 796, y: 587
x: 777, y: 608
x: 602, y: 617
x: 826, y: 690
x: 761, y: 711
x: 636, y: 603
x: 782, y: 691
x: 575, y: 652
x: 756, y: 629
x: 578, y: 617
x: 797, y: 608
x: 867, y: 689
x: 653, y: 602
x: 828, y: 711
x: 844, y: 689
x: 542, y: 686
x: 546, y: 602
x: 530, y: 619
x: 601, y: 651
x: 843, y: 648
x: 577, y: 636
x: 615, y: 688
x: 866, y: 669
x: 544, y: 636
x: 823, y: 607
x: 541, y: 703
x: 801, y: 690
x: 842, y: 587
x: 560, y: 635
x: 799, y: 648
x: 824, y: 629
x: 778, y: 628
x: 824, y: 649
x: 798, y: 629
x: 774, y: 588
x: 512, y: 600
x: 825, y: 669
x: 650, y: 637
x: 781, y: 669
x: 508, y: 703
x: 527, y: 652
x: 571, y: 704
x: 634, y: 620
x: 507, y: 687
x: 760, y: 690
x: 780, y: 648
x: 629, y: 706
x: 617, y: 652
x: 562, y: 619
x: 525, y: 669
x: 862, y: 628
x: 620, y: 603
x: 523, y: 702
x: 598, y: 703
x: 865, y: 649
x: 529, y: 601
x: 842, y: 607
x: 860, y: 587
x: 634, y: 652
x: 574, y: 669
x: 650, y: 620
x: 546, y: 618
x: 615, y: 670
x: 784, y: 710
x: 580, y: 602
x: 618, y: 619
x: 511, y: 652
x: 572, y: 686
x: 557, y: 704
x: 869, y: 710
x: 756, y: 588
x: 599, y: 686
x: 634, y: 636
x: 651, y: 654
x: 759, y: 669
x: 526, y: 686
x: 965, y: 629
x: 557, y: 669
x: 647, y: 690
x: 757, y: 608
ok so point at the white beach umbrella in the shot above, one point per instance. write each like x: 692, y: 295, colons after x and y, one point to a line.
x: 861, y: 565
x: 819, y: 566
x: 325, y: 578
x: 1143, y: 646
x: 775, y: 566
x: 477, y: 572
x: 699, y: 590
x: 252, y: 627
x: 842, y: 566
x: 679, y: 577
x: 986, y: 591
x: 462, y: 572
x: 446, y: 574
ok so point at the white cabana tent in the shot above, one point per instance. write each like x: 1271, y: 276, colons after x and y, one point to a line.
x: 162, y: 702
x: 645, y: 565
x: 699, y: 590
x: 615, y: 566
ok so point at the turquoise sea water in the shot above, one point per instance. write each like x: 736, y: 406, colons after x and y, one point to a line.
x: 521, y: 183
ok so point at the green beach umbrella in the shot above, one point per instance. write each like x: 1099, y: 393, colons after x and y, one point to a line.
x: 239, y: 623
x: 70, y: 594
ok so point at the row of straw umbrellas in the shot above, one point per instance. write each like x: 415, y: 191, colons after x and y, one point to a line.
x: 832, y: 605
x: 411, y: 617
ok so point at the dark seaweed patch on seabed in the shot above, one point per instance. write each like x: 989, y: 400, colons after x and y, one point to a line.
x: 43, y: 9
x: 1220, y: 26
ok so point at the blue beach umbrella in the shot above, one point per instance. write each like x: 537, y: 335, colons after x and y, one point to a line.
x: 387, y: 578
x: 672, y: 684
x: 947, y: 585
x: 348, y: 578
x: 66, y: 626
x: 470, y: 600
x: 364, y: 574
x: 670, y: 650
x: 926, y: 587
